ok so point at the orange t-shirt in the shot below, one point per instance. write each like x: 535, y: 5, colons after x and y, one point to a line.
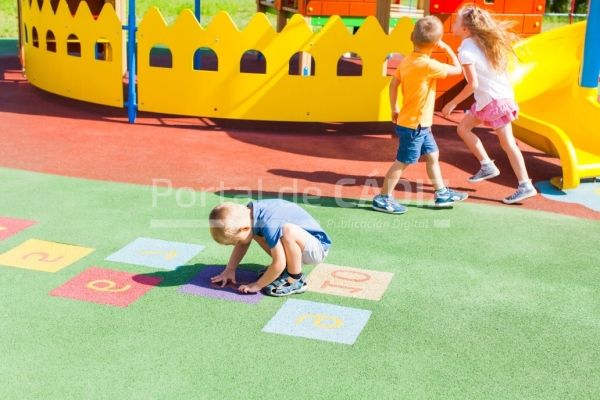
x: 418, y: 74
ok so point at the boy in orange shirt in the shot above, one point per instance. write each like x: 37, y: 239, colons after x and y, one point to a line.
x: 417, y: 75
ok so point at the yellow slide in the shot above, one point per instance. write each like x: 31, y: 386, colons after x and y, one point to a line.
x: 557, y: 116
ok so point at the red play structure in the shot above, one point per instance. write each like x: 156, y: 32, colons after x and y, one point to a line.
x: 526, y: 13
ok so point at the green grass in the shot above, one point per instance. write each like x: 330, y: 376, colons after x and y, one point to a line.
x: 502, y: 304
x: 8, y: 18
x: 552, y: 22
x: 240, y: 10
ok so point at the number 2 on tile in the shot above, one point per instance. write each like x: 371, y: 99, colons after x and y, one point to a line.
x: 42, y: 257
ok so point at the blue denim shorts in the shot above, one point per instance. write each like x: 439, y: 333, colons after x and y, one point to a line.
x: 414, y: 143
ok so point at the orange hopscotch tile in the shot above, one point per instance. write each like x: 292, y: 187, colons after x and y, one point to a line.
x: 349, y: 282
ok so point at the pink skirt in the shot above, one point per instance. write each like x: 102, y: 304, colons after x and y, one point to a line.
x: 497, y: 114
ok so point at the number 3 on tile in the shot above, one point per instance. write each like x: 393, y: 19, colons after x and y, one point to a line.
x: 322, y: 321
x: 41, y: 257
x: 106, y: 286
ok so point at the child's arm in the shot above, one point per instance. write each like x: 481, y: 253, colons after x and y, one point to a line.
x: 273, y: 271
x: 394, y: 84
x: 472, y: 84
x: 455, y: 67
x: 238, y: 253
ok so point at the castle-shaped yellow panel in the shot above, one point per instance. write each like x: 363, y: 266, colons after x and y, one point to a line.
x: 175, y: 87
x: 76, y: 56
x: 81, y: 57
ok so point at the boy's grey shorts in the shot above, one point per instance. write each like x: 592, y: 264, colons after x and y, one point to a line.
x: 314, y: 253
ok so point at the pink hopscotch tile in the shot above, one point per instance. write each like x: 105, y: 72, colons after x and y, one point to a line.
x: 10, y: 226
x: 106, y: 286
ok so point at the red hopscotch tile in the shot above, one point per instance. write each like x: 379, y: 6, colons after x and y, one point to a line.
x: 10, y: 226
x: 106, y: 286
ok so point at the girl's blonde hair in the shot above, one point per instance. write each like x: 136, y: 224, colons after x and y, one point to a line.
x: 493, y: 37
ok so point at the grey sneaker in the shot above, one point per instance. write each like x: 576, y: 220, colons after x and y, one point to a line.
x: 487, y: 171
x: 447, y: 197
x: 523, y: 192
x: 290, y: 286
x: 387, y: 204
x: 280, y: 280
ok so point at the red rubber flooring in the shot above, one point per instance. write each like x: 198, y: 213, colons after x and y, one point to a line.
x: 47, y: 133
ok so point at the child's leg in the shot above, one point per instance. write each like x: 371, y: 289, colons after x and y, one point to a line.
x: 509, y: 145
x: 465, y: 131
x: 444, y: 197
x: 433, y: 170
x: 293, y: 241
x: 392, y: 177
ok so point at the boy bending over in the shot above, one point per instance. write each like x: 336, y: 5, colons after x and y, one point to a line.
x: 284, y: 230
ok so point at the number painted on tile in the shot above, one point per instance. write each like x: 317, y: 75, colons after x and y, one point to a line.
x: 168, y: 255
x: 42, y: 257
x: 322, y: 321
x: 347, y: 275
x: 359, y: 276
x: 351, y: 289
x: 107, y: 286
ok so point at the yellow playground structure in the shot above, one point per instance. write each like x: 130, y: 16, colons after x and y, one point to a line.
x: 558, y: 116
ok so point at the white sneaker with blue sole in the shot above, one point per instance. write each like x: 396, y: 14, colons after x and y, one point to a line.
x: 446, y: 197
x: 387, y: 204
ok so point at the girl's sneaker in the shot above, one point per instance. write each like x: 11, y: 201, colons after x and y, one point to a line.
x: 291, y: 286
x: 523, y: 192
x: 487, y: 171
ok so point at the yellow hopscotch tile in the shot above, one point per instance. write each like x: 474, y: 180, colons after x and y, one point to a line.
x: 41, y: 255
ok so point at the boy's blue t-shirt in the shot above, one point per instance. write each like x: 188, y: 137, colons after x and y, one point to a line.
x: 271, y: 215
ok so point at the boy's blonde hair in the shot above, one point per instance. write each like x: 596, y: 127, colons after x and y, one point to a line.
x: 225, y: 222
x: 493, y: 37
x: 427, y: 31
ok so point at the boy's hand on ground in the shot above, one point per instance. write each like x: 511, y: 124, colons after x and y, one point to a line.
x: 251, y: 288
x: 448, y: 108
x: 224, y: 277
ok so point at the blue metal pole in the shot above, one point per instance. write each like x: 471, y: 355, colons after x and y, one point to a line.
x: 197, y: 11
x: 591, y: 55
x: 198, y: 14
x: 131, y: 63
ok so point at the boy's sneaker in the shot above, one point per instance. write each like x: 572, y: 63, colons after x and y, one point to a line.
x: 446, y: 197
x: 290, y: 286
x: 487, y: 171
x: 280, y: 280
x: 387, y: 204
x: 524, y: 191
